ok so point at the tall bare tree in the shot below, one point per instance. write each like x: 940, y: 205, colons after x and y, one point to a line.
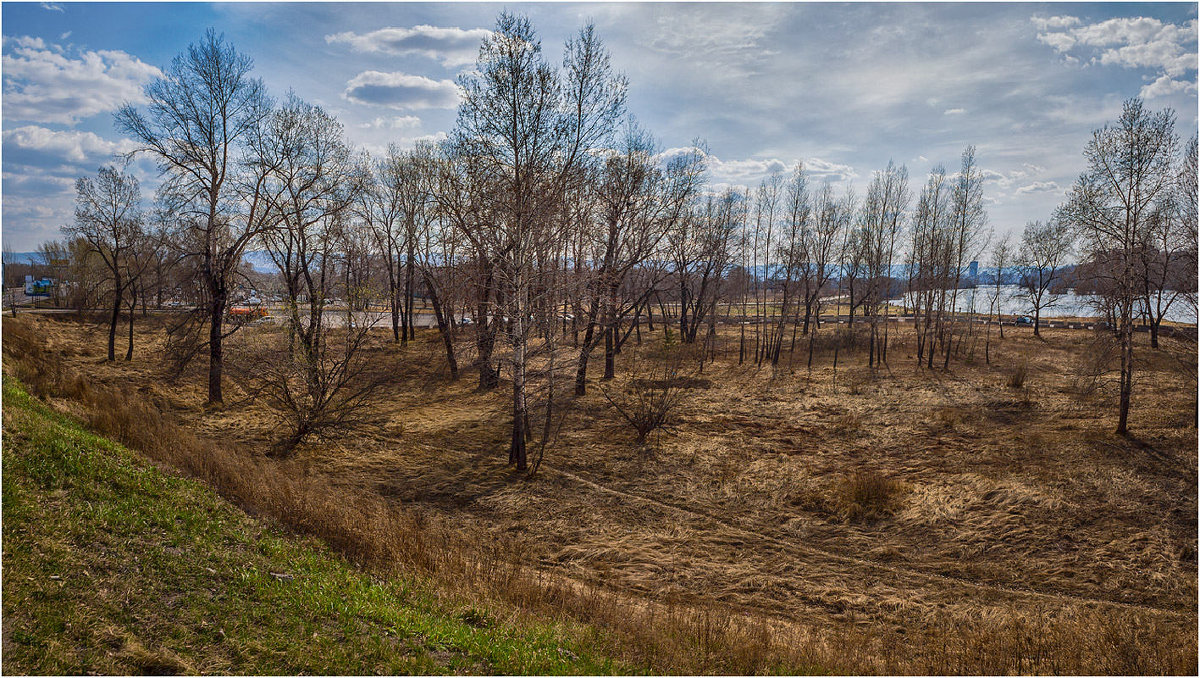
x: 198, y: 119
x: 1186, y: 187
x: 108, y: 216
x: 527, y: 130
x: 1112, y: 203
x: 637, y: 205
x: 882, y: 216
x: 309, y: 180
x: 1001, y: 257
x: 379, y: 206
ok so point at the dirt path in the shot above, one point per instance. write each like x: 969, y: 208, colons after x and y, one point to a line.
x: 1064, y: 598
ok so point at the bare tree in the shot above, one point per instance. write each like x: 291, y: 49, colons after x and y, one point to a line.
x: 108, y: 217
x: 379, y: 206
x: 928, y: 265
x: 199, y: 116
x: 968, y: 220
x: 525, y: 130
x: 1185, y: 204
x: 54, y: 258
x: 1111, y: 204
x: 308, y: 179
x: 1044, y: 250
x: 881, y: 219
x: 1164, y: 268
x: 793, y: 257
x: 435, y: 241
x: 650, y: 402
x: 638, y: 204
x: 819, y: 252
x: 700, y: 248
x: 1001, y: 257
x: 10, y: 291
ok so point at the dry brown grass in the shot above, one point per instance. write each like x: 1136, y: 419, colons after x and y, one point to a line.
x: 867, y: 496
x: 988, y: 534
x: 1016, y: 378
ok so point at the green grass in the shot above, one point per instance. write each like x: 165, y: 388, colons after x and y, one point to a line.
x: 113, y: 566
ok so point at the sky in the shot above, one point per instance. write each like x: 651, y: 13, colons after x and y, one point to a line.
x: 841, y: 87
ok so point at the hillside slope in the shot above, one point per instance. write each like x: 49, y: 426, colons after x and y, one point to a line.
x: 112, y: 566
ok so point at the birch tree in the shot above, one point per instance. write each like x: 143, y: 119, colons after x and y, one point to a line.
x: 1129, y: 170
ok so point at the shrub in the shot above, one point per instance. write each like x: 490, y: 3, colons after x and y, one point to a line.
x: 945, y: 419
x: 867, y: 496
x: 848, y: 423
x: 1016, y: 379
x: 1088, y: 370
x: 648, y: 404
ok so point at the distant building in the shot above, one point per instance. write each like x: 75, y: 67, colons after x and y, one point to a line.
x: 973, y: 271
x: 38, y: 288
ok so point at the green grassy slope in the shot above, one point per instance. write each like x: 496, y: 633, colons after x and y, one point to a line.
x: 113, y: 566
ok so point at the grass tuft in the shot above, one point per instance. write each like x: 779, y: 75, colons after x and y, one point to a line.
x: 865, y: 496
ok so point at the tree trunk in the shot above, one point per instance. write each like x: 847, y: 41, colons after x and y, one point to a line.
x: 410, y: 292
x: 112, y: 326
x: 215, y: 354
x: 1126, y: 374
x: 516, y: 452
x: 584, y: 354
x: 132, y: 311
x: 394, y: 297
x: 443, y: 329
x: 609, y: 353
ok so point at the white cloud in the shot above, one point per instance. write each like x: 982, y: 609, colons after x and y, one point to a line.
x: 1164, y: 86
x: 395, y: 122
x: 43, y: 84
x: 728, y: 41
x: 69, y: 146
x: 1055, y: 22
x: 726, y: 173
x: 1131, y: 42
x: 954, y: 111
x: 1061, y: 42
x: 436, y: 137
x: 379, y: 148
x: 1005, y: 180
x: 401, y: 91
x: 825, y: 169
x: 53, y: 7
x: 451, y: 46
x: 991, y: 175
x: 1038, y: 187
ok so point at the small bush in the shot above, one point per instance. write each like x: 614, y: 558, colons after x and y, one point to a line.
x: 1089, y: 369
x: 649, y: 404
x: 868, y: 496
x: 1016, y: 379
x: 858, y: 381
x: 945, y: 419
x: 848, y: 423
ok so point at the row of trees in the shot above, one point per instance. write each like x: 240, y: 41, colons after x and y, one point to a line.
x: 549, y: 224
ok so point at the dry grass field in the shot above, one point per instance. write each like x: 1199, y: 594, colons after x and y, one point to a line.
x: 890, y: 520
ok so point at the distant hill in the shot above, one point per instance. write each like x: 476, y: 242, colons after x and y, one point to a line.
x: 259, y: 260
